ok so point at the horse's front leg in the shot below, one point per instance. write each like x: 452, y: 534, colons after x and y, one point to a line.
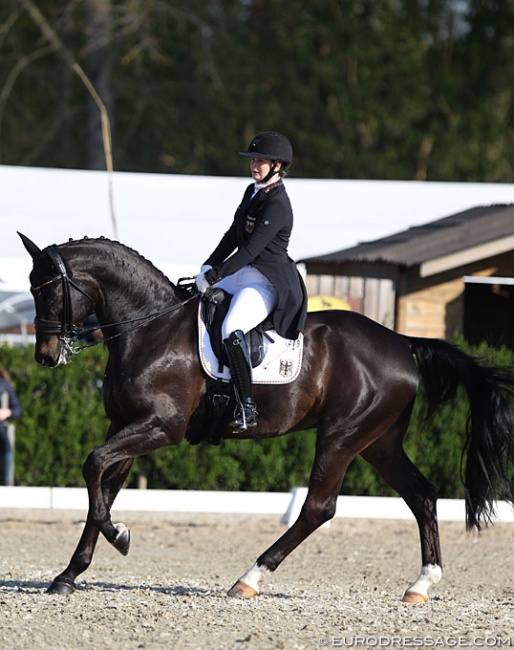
x: 83, y: 555
x: 139, y: 438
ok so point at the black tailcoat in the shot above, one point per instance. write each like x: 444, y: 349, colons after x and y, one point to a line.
x: 260, y: 236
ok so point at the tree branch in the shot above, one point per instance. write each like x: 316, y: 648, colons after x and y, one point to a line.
x: 59, y: 46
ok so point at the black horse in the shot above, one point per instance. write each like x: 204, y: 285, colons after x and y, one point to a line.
x: 357, y: 387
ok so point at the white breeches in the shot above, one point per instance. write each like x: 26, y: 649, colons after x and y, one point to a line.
x: 254, y: 298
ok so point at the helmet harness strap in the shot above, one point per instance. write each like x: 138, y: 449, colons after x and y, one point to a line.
x: 271, y: 172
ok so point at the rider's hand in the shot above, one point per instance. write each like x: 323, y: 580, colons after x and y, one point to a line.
x: 202, y: 284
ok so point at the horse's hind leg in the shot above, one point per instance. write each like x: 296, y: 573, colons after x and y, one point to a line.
x: 329, y: 468
x: 392, y: 463
x: 83, y: 555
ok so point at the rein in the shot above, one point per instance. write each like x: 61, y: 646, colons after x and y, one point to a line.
x: 69, y: 333
x: 141, y: 321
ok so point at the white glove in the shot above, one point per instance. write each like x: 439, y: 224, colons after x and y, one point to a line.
x: 201, y: 283
x: 205, y: 268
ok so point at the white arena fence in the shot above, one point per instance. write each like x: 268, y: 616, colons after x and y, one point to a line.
x: 286, y: 505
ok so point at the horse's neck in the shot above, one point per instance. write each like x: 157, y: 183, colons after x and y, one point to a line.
x: 127, y: 301
x: 129, y: 286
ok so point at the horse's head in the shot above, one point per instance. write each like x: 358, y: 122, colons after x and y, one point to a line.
x: 59, y: 301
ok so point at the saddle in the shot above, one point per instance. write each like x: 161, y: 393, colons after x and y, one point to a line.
x: 275, y: 360
x: 215, y: 304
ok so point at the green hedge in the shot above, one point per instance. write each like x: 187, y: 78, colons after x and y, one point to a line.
x: 63, y: 420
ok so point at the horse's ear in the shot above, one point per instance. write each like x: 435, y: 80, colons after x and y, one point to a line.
x: 32, y: 249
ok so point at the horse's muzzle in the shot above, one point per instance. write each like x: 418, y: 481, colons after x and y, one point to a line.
x: 53, y: 352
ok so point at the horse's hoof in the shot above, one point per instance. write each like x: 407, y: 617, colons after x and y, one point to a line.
x: 122, y: 540
x: 61, y: 587
x: 414, y: 597
x: 242, y: 590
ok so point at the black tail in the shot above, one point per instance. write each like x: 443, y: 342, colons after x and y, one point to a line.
x: 489, y: 447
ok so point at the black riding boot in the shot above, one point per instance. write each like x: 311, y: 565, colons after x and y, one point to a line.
x: 241, y: 371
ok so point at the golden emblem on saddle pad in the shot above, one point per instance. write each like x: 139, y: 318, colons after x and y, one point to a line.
x: 286, y: 367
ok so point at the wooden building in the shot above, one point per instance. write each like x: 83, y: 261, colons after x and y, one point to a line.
x: 453, y: 275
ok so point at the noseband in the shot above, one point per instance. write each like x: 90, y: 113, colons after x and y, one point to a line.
x: 65, y: 328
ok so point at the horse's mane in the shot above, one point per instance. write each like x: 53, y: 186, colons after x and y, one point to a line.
x: 131, y: 251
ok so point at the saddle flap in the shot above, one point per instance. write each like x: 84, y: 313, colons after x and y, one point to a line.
x: 214, y: 306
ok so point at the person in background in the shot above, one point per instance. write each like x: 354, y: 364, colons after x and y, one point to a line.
x: 10, y: 408
x: 251, y: 262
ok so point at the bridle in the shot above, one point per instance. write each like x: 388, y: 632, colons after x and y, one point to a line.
x: 68, y: 332
x: 65, y: 328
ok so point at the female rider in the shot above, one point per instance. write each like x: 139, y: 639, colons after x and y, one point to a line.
x: 260, y: 275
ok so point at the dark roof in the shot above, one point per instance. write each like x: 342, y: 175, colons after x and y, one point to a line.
x: 432, y: 240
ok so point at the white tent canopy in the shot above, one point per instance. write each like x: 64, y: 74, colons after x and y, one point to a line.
x: 176, y: 220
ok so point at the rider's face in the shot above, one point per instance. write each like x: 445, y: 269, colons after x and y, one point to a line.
x: 261, y: 167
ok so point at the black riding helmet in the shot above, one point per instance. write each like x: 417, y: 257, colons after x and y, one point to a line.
x: 270, y: 145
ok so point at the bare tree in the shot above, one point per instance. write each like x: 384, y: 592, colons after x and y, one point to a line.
x: 99, y: 60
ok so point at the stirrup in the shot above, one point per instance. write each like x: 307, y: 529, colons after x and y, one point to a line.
x: 245, y: 417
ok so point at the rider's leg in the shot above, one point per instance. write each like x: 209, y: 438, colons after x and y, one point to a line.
x: 254, y: 298
x: 241, y: 371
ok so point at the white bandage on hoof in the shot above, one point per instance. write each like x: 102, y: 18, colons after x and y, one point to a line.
x: 418, y: 591
x: 254, y: 576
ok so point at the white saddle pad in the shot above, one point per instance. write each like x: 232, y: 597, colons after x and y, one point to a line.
x: 281, y: 363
